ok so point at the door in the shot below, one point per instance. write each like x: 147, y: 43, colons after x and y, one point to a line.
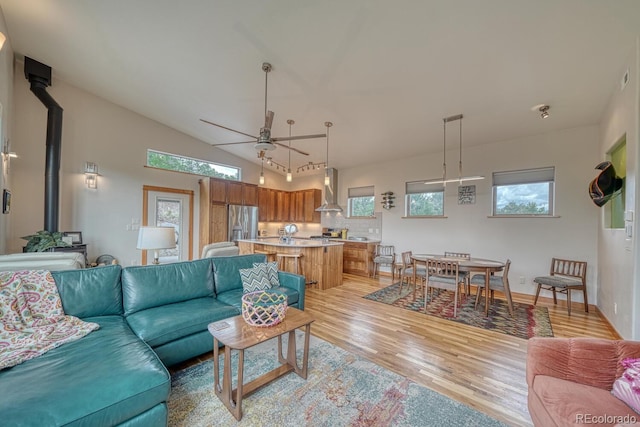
x: 170, y: 207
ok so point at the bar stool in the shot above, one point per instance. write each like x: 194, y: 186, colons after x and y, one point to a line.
x: 297, y: 259
x: 271, y: 256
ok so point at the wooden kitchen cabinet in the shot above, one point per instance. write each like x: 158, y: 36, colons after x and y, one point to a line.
x: 312, y: 199
x: 263, y: 204
x: 217, y: 190
x: 249, y: 194
x: 296, y: 206
x: 213, y: 215
x: 357, y: 258
x: 234, y: 192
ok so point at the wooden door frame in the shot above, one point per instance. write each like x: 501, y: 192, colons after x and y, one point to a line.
x: 145, y: 212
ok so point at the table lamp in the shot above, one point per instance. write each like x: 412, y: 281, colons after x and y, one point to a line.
x: 155, y: 238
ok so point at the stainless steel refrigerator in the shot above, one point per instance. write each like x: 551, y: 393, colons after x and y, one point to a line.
x: 243, y: 222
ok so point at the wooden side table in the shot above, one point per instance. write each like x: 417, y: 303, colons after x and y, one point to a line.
x: 236, y: 334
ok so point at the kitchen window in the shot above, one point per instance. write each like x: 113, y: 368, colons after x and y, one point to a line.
x: 423, y: 200
x: 528, y: 192
x: 174, y: 162
x: 361, y: 201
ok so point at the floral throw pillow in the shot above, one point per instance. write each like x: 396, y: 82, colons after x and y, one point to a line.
x: 627, y: 387
x: 272, y: 272
x: 255, y: 279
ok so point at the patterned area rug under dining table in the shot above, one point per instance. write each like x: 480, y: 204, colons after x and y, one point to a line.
x: 528, y: 320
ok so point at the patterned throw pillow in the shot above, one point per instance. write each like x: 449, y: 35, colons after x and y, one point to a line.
x: 255, y: 279
x: 627, y: 387
x: 272, y: 272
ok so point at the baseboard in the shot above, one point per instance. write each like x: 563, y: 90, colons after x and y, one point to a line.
x: 610, y: 326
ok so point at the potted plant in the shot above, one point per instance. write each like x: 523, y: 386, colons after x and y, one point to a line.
x: 44, y: 240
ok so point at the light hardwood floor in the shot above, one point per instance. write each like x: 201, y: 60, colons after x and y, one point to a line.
x: 483, y: 369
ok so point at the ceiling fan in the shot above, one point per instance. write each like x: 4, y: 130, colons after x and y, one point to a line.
x: 265, y: 142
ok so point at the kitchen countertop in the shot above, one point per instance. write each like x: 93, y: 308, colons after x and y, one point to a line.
x: 296, y: 241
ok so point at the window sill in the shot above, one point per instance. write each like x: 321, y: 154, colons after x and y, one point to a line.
x: 426, y: 217
x: 523, y: 216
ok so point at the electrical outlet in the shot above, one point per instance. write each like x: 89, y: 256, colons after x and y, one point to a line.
x: 522, y: 280
x: 615, y: 308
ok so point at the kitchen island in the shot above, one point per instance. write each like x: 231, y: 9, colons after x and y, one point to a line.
x: 321, y: 260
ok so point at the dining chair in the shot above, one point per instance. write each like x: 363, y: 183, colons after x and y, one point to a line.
x: 443, y: 274
x: 496, y: 283
x: 407, y: 271
x: 383, y: 255
x: 464, y: 275
x: 565, y: 275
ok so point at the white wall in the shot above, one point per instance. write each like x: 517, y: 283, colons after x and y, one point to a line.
x: 6, y: 99
x: 530, y: 243
x: 617, y: 259
x: 116, y: 139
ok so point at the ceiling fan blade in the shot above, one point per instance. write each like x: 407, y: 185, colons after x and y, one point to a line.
x: 232, y: 130
x: 292, y: 148
x: 293, y: 138
x: 268, y: 119
x: 234, y: 143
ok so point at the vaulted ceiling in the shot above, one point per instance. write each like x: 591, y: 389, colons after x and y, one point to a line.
x: 384, y: 72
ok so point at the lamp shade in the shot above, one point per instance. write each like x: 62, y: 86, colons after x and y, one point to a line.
x: 156, y: 238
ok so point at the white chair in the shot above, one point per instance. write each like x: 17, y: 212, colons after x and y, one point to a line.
x: 220, y: 249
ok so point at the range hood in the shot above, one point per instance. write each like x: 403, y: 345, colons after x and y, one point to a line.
x: 331, y: 193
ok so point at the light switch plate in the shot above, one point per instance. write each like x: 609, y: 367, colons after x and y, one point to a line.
x: 628, y: 216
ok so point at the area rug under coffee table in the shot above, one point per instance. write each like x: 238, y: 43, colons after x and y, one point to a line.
x: 342, y: 389
x: 528, y: 320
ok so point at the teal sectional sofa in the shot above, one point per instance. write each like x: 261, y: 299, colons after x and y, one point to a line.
x: 150, y: 317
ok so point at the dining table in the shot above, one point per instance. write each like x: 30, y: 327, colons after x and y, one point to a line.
x: 486, y: 266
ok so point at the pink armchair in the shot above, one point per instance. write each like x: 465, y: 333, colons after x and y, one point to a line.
x: 570, y: 380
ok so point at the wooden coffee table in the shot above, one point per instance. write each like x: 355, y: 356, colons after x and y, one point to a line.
x: 236, y: 334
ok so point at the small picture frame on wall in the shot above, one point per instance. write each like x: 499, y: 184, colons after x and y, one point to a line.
x: 6, y: 201
x: 76, y: 237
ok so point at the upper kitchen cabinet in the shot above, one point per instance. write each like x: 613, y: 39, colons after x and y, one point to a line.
x: 217, y: 190
x: 312, y: 199
x: 263, y: 204
x: 234, y: 193
x: 249, y: 194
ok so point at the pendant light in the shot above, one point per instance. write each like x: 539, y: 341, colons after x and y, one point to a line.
x: 289, y: 177
x: 262, y: 172
x: 327, y: 180
x: 460, y: 178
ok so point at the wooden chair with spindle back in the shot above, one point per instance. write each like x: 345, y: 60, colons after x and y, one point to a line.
x: 565, y: 275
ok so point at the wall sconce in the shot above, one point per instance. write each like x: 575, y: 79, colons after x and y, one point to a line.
x: 7, y: 154
x: 91, y: 175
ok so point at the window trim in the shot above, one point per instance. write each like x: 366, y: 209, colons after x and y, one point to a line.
x: 545, y: 174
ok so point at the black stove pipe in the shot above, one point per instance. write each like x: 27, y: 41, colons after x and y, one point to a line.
x: 39, y: 75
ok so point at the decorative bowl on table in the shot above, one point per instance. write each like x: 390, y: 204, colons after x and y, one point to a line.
x: 263, y: 308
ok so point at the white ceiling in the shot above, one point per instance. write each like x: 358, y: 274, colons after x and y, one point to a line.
x: 384, y: 72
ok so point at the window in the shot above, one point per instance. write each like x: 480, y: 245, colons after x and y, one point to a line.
x: 615, y: 208
x: 524, y: 192
x: 361, y: 201
x: 173, y: 162
x: 424, y: 199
